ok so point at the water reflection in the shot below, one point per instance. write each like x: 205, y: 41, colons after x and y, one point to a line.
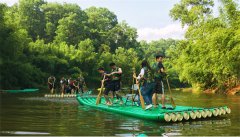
x: 33, y: 114
x: 23, y: 133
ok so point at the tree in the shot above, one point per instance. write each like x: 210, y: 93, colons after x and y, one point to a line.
x: 100, y: 22
x: 191, y: 12
x: 32, y: 17
x: 53, y: 13
x: 122, y: 35
x: 209, y: 57
x: 71, y: 29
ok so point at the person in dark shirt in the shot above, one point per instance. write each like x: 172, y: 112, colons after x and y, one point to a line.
x: 80, y: 82
x: 159, y: 73
x: 107, y: 84
x: 116, y: 74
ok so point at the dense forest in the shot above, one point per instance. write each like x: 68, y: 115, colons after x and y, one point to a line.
x: 39, y: 39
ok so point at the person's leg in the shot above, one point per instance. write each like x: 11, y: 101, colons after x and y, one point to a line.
x: 72, y: 89
x: 144, y: 91
x: 106, y: 91
x: 150, y: 92
x: 157, y: 90
x: 163, y: 97
x: 62, y: 89
x: 81, y: 89
x: 116, y: 89
x: 50, y: 87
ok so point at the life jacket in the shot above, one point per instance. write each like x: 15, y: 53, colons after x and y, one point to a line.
x: 116, y: 76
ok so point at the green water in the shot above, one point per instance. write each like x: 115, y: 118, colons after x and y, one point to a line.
x: 32, y: 114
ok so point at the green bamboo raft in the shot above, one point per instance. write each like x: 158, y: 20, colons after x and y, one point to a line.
x: 180, y: 113
x: 21, y: 90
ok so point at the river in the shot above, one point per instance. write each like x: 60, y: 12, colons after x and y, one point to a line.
x: 32, y: 114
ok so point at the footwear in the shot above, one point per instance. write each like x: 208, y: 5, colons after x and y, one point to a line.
x: 163, y: 107
x: 109, y: 104
x: 148, y: 107
x: 121, y: 102
x: 115, y: 102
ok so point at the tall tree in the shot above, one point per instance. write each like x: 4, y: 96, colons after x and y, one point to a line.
x: 122, y: 35
x: 32, y: 17
x: 71, y: 29
x: 100, y: 22
x: 209, y: 57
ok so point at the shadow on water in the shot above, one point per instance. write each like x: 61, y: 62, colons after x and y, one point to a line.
x: 33, y: 114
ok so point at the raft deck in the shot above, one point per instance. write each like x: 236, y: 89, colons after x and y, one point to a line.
x: 180, y: 113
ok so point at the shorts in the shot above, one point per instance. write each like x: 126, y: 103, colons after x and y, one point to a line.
x: 108, y: 87
x: 50, y: 86
x: 72, y: 87
x: 68, y: 89
x: 159, y: 87
x: 115, y: 85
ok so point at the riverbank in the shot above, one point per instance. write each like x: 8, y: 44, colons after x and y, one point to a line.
x: 232, y: 91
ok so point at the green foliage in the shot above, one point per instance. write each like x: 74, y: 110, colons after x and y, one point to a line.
x: 210, y: 55
x: 122, y: 35
x: 71, y: 29
x: 127, y: 59
x: 39, y: 39
x: 32, y: 17
x: 190, y: 12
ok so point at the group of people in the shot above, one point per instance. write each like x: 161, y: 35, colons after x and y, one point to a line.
x: 111, y: 82
x: 68, y: 86
x: 150, y: 80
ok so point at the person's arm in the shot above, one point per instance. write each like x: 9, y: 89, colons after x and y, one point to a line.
x: 161, y: 68
x: 104, y: 76
x: 141, y: 74
x: 107, y: 74
x: 117, y: 72
x: 74, y: 83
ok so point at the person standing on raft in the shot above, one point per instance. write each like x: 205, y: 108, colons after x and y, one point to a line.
x: 147, y: 83
x: 159, y: 74
x: 51, y: 84
x: 116, y: 81
x: 107, y: 84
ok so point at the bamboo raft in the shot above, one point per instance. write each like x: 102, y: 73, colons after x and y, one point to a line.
x: 60, y: 95
x: 67, y: 95
x: 180, y: 113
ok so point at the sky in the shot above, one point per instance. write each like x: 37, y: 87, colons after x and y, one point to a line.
x: 150, y: 17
